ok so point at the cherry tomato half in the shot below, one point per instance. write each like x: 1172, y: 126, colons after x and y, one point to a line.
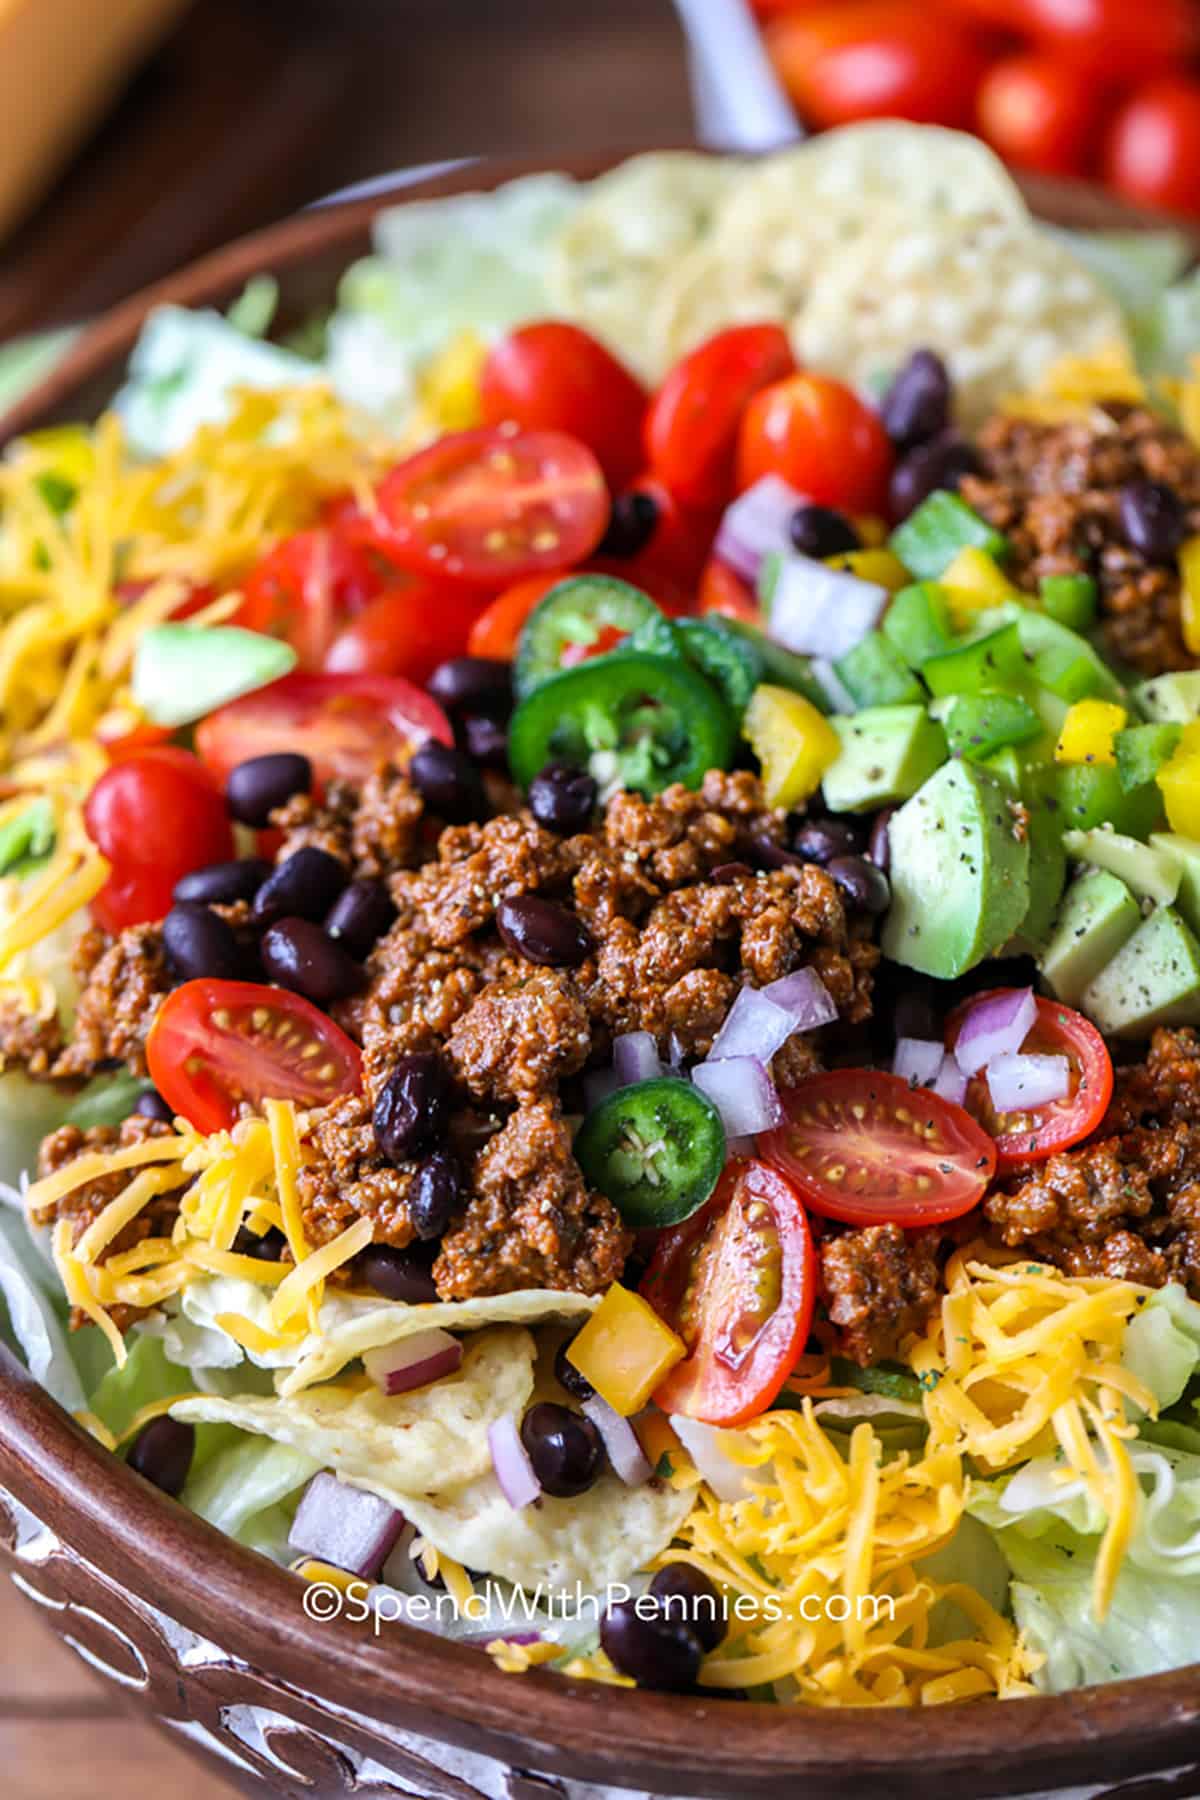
x: 215, y: 1046
x: 492, y: 505
x: 555, y: 377
x: 1031, y: 1137
x: 499, y: 625
x: 157, y: 814
x: 304, y: 588
x: 866, y: 1148
x: 1153, y: 150
x: 821, y: 438
x: 692, y: 425
x: 724, y: 593
x: 868, y: 59
x: 1041, y: 112
x: 407, y: 630
x: 344, y: 724
x: 737, y: 1282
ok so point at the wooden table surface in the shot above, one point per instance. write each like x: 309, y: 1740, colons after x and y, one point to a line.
x: 361, y: 87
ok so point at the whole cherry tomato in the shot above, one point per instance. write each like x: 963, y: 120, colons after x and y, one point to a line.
x: 870, y: 59
x: 555, y: 377
x: 692, y: 425
x: 156, y: 815
x: 1041, y: 112
x: 407, y: 630
x: 1116, y: 40
x: 724, y: 593
x: 821, y: 438
x: 1153, y: 150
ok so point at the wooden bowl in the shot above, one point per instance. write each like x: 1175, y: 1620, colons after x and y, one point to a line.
x: 214, y: 1642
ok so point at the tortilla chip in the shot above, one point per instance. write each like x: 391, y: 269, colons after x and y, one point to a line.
x: 421, y: 1443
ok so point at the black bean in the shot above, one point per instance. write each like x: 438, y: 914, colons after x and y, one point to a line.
x: 305, y: 886
x: 200, y: 944
x: 631, y: 524
x: 448, y: 782
x: 563, y: 798
x: 222, y: 883
x: 255, y: 788
x: 162, y: 1452
x: 656, y: 1652
x: 436, y: 1195
x: 771, y: 854
x: 564, y: 1448
x: 820, y: 840
x: 880, y: 848
x: 474, y: 684
x: 151, y: 1105
x: 726, y: 873
x: 569, y: 1376
x: 485, y: 741
x: 542, y: 932
x: 866, y: 888
x: 412, y: 1105
x: 687, y: 1593
x: 941, y: 463
x: 820, y: 531
x: 917, y: 405
x: 301, y: 956
x: 360, y: 915
x: 1154, y: 519
x: 265, y: 1246
x: 397, y: 1274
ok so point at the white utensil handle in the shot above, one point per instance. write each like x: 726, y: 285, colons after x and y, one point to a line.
x: 738, y: 102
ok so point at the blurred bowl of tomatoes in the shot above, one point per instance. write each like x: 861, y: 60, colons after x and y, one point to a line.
x: 1101, y: 89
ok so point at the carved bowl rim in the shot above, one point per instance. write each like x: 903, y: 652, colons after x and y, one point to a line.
x: 449, y: 1691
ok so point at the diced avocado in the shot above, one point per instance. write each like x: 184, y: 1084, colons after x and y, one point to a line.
x: 1047, y: 858
x: 1005, y: 765
x: 875, y: 674
x: 959, y: 873
x: 1152, y: 874
x: 1154, y: 979
x: 887, y: 752
x: 1141, y: 751
x: 917, y: 623
x: 980, y: 665
x: 782, y: 668
x: 978, y: 724
x: 1091, y: 794
x: 932, y: 537
x: 1186, y: 853
x: 1098, y: 913
x: 1170, y: 699
x: 1069, y: 599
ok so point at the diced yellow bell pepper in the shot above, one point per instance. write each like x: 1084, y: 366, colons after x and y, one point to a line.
x: 657, y: 1437
x: 625, y: 1349
x: 1189, y: 603
x: 974, y: 582
x: 449, y: 384
x: 878, y: 565
x: 872, y: 530
x: 793, y: 741
x: 1179, y: 783
x: 1088, y: 731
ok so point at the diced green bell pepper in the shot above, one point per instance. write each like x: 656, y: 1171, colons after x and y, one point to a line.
x: 917, y: 623
x: 932, y: 537
x: 1141, y: 751
x: 1091, y: 794
x: 978, y: 724
x: 1070, y: 600
x: 874, y: 674
x: 978, y: 666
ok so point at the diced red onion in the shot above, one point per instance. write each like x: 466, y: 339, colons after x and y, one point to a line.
x: 510, y: 1459
x: 620, y: 1441
x: 598, y: 1084
x: 831, y: 684
x: 635, y: 1058
x: 819, y: 611
x: 414, y: 1362
x: 727, y: 1479
x: 917, y: 1061
x: 345, y: 1526
x: 758, y: 522
x: 995, y: 1026
x: 950, y: 1083
x: 742, y: 1092
x: 1017, y: 1083
x: 805, y: 996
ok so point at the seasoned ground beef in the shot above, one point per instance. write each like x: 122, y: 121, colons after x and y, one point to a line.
x: 347, y: 1178
x: 531, y: 1221
x: 1054, y: 491
x: 376, y: 831
x: 1127, y: 1201
x: 28, y: 1042
x: 122, y: 981
x: 521, y: 1035
x: 880, y: 1285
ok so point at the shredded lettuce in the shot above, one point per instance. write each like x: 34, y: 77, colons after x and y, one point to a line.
x: 246, y: 1478
x: 33, y: 1317
x: 1162, y: 1343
